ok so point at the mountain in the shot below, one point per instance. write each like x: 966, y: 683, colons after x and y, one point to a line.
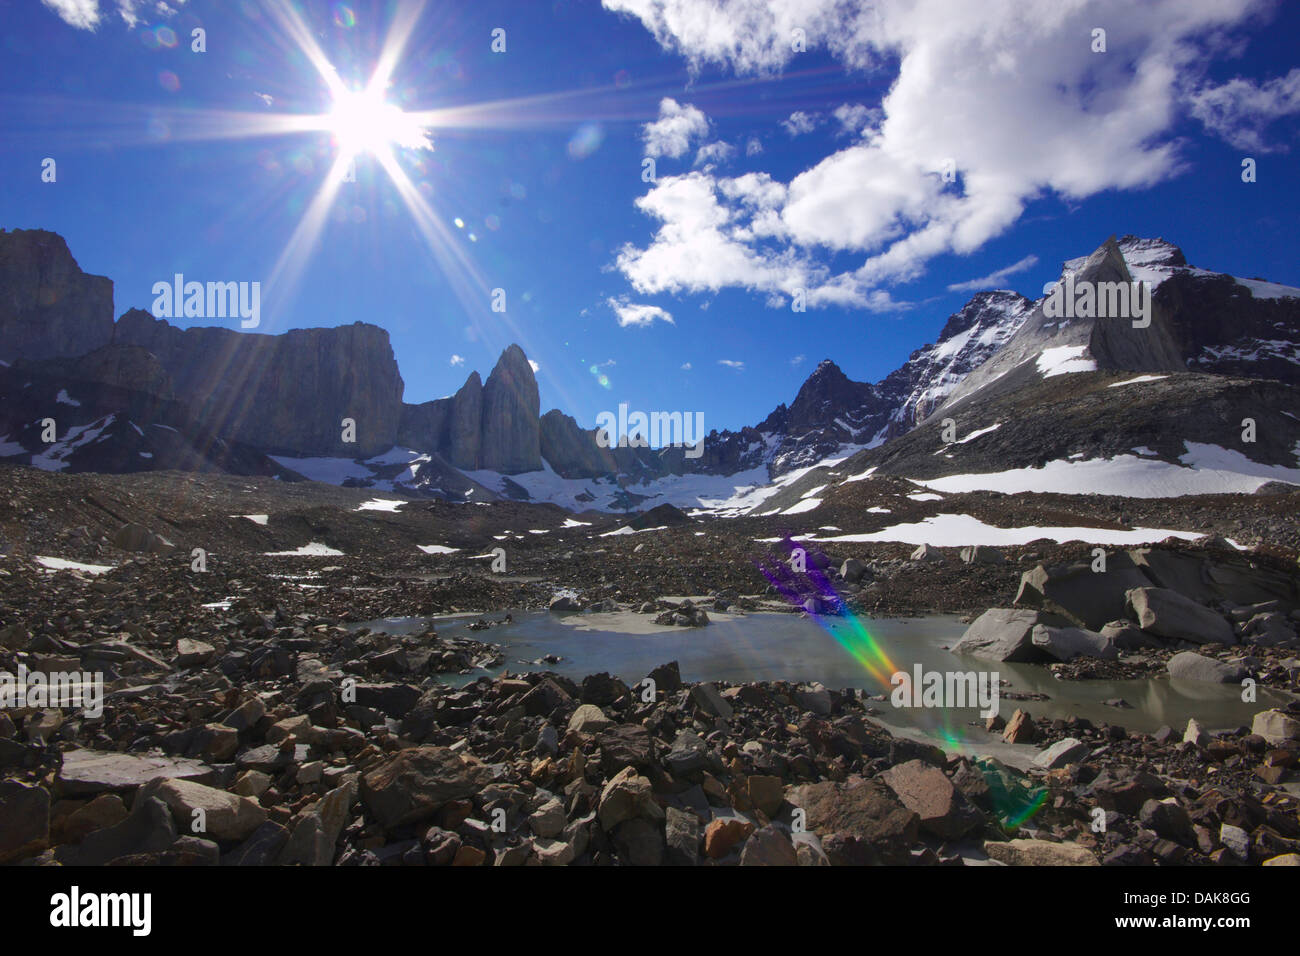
x: 49, y: 308
x: 831, y: 413
x: 1202, y: 399
x: 1013, y: 393
x: 285, y: 394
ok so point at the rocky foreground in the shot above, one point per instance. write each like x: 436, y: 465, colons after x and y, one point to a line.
x: 303, y: 742
x: 250, y: 718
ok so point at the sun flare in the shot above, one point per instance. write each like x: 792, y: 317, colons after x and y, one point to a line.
x: 363, y: 121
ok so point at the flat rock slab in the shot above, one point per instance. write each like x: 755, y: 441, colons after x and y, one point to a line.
x: 94, y: 771
x: 1040, y: 853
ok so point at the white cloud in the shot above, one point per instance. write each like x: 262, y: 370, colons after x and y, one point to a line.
x: 732, y: 363
x: 856, y: 117
x: 994, y: 279
x: 631, y: 314
x: 1239, y: 110
x: 534, y: 366
x: 1010, y: 91
x: 686, y: 366
x: 86, y: 15
x: 714, y: 153
x: 457, y: 360
x: 753, y: 147
x: 797, y: 360
x: 671, y: 134
x: 82, y: 14
x: 801, y: 122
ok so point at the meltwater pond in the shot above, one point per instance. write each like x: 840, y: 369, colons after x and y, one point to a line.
x: 776, y: 646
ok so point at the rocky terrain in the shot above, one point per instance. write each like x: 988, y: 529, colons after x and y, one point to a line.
x: 159, y: 531
x: 250, y: 690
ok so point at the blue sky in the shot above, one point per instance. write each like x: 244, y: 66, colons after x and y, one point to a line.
x: 776, y: 170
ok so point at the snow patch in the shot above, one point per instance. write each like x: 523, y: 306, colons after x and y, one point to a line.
x: 1065, y: 359
x: 311, y: 549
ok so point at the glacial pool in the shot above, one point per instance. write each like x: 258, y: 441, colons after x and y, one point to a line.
x: 767, y: 646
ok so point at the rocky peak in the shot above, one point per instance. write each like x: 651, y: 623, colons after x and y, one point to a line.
x: 49, y: 308
x: 511, y: 438
x: 824, y: 391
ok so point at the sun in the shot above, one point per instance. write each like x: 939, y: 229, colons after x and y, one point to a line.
x: 364, y: 121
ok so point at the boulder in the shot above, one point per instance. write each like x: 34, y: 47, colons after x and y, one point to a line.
x: 1168, y: 614
x: 982, y: 554
x: 941, y: 808
x: 1188, y: 665
x: 1004, y: 634
x: 1061, y: 753
x: 206, y: 811
x: 769, y: 846
x: 1067, y: 643
x: 415, y: 783
x: 149, y: 829
x: 1075, y: 592
x: 682, y: 836
x: 24, y: 820
x: 1039, y: 853
x: 707, y: 698
x: 852, y: 570
x: 625, y: 796
x: 589, y: 719
x: 139, y: 539
x: 1276, y: 727
x: 876, y: 827
x: 927, y: 553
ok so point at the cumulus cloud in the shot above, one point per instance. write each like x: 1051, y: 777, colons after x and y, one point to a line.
x: 686, y: 366
x: 1011, y: 93
x: 753, y: 147
x: 800, y: 122
x: 632, y: 314
x: 534, y: 366
x: 714, y: 153
x: 732, y: 363
x: 82, y: 14
x: 1239, y: 110
x: 994, y: 279
x: 671, y: 134
x: 797, y: 360
x: 457, y: 360
x: 856, y: 117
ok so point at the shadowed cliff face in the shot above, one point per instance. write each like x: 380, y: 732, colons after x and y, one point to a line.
x: 494, y: 427
x: 49, y: 308
x: 511, y: 438
x: 285, y: 394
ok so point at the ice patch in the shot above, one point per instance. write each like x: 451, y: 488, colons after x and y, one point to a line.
x: 807, y: 504
x: 436, y: 549
x: 63, y: 398
x: 256, y: 519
